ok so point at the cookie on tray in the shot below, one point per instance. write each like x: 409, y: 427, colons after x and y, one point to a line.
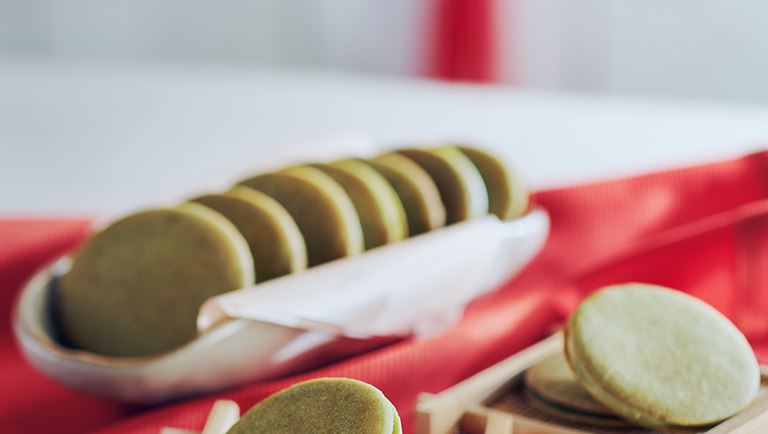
x: 381, y: 212
x: 273, y: 237
x: 660, y: 358
x: 507, y: 197
x: 461, y: 187
x: 135, y: 287
x: 321, y: 208
x: 418, y: 193
x: 551, y: 387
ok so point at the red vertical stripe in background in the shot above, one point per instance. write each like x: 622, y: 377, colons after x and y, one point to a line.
x: 463, y: 45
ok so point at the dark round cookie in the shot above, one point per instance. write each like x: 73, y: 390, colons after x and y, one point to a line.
x: 274, y: 239
x: 461, y: 187
x: 507, y: 197
x: 321, y: 208
x: 381, y: 213
x: 135, y: 287
x: 418, y: 193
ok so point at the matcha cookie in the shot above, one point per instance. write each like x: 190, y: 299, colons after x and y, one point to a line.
x: 567, y: 414
x: 381, y: 213
x: 461, y: 187
x: 552, y: 380
x: 322, y: 406
x: 660, y: 358
x: 135, y: 287
x: 552, y: 388
x: 322, y: 210
x: 418, y: 193
x: 507, y: 197
x: 274, y: 239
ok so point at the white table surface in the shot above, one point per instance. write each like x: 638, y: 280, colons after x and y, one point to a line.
x: 81, y: 139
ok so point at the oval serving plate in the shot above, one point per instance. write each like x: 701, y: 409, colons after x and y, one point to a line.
x: 236, y: 347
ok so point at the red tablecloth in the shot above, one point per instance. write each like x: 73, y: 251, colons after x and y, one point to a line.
x: 702, y: 229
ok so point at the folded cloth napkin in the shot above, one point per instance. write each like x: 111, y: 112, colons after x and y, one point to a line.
x: 702, y: 229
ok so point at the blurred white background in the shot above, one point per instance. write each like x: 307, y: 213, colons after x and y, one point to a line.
x: 687, y: 48
x: 107, y: 105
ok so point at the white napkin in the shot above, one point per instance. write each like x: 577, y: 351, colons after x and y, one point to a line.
x: 420, y: 285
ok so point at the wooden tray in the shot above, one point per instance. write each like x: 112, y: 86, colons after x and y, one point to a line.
x: 491, y: 402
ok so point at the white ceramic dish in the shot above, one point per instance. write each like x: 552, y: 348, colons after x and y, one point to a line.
x: 374, y: 298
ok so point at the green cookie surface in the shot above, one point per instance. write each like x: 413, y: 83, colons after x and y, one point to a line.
x: 382, y: 216
x: 660, y: 358
x: 322, y: 406
x: 418, y: 193
x: 507, y: 197
x: 274, y: 239
x: 461, y: 187
x: 322, y: 210
x: 135, y: 287
x: 553, y: 381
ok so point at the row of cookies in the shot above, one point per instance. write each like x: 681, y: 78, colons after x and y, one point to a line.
x: 134, y: 288
x: 348, y: 206
x: 643, y: 355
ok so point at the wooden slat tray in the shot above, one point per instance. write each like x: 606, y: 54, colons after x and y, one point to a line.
x: 491, y: 402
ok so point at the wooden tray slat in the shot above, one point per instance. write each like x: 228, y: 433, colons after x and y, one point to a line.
x: 491, y: 403
x: 440, y: 414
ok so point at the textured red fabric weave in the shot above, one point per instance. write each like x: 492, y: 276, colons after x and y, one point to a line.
x: 702, y: 229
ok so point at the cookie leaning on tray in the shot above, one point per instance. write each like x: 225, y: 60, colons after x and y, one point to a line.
x: 418, y: 193
x: 461, y: 186
x: 552, y: 388
x: 651, y: 356
x: 272, y: 235
x: 661, y: 358
x: 134, y: 289
x: 379, y: 208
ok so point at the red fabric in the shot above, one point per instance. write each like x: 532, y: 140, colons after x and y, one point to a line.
x: 463, y: 44
x: 702, y: 229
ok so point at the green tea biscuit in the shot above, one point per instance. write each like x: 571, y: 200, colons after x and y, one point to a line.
x: 461, y: 187
x: 135, y: 287
x: 322, y: 406
x: 418, y: 193
x: 660, y: 358
x: 322, y: 210
x: 397, y: 425
x: 570, y: 415
x: 507, y: 197
x: 274, y: 239
x: 381, y: 212
x: 553, y: 381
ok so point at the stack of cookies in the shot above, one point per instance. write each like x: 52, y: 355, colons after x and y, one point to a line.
x: 643, y: 355
x: 135, y: 287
